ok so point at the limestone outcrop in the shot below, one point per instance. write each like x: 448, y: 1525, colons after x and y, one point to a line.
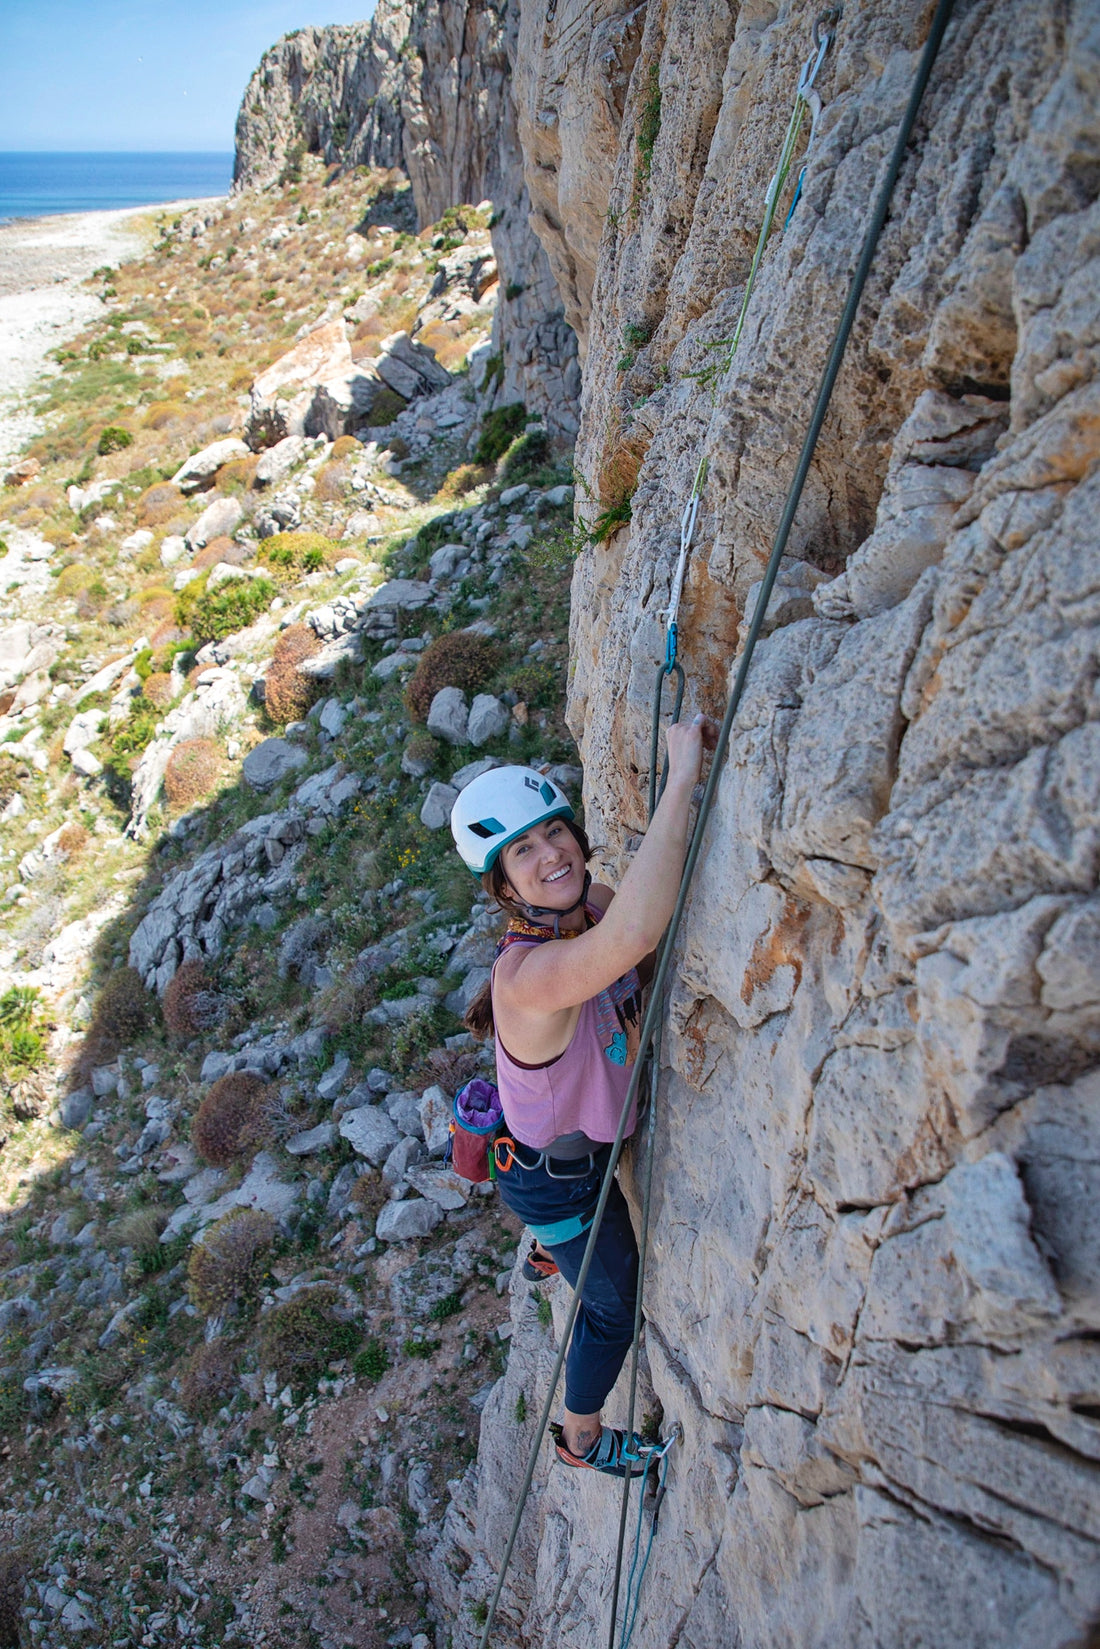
x: 427, y: 89
x: 872, y: 1302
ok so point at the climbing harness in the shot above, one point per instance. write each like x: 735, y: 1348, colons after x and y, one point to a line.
x: 671, y: 665
x: 928, y: 56
x: 805, y: 98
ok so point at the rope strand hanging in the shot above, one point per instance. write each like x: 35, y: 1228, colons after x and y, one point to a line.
x: 873, y: 233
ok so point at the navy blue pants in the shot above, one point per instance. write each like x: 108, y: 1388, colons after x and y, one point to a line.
x: 604, y: 1328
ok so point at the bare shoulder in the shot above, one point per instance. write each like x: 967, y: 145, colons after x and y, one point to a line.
x: 600, y: 896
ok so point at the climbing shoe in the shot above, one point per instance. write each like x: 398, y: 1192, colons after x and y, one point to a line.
x: 610, y: 1453
x: 537, y: 1267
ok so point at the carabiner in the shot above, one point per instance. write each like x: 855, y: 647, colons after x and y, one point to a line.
x: 510, y: 1148
x: 663, y: 673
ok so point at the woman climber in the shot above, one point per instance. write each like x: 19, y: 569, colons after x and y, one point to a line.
x: 564, y: 1002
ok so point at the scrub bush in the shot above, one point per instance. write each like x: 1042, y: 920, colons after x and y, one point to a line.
x: 191, y: 1004
x: 159, y: 689
x: 124, y: 1010
x: 308, y: 551
x: 209, y: 1379
x: 457, y: 659
x: 220, y: 549
x: 287, y: 693
x: 526, y: 455
x: 227, y: 1267
x: 229, y: 1124
x: 192, y: 772
x: 498, y: 430
x: 213, y: 615
x: 158, y: 504
x: 113, y: 439
x: 302, y: 1335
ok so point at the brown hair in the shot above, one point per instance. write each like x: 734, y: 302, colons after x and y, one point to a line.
x: 478, y: 1018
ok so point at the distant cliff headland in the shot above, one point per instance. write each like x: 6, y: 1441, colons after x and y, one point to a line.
x: 371, y: 475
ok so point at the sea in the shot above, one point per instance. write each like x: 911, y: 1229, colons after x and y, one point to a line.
x: 37, y: 185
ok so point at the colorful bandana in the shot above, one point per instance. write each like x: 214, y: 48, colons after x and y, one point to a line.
x: 618, y: 1007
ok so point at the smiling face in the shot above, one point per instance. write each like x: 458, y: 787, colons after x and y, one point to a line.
x: 544, y: 866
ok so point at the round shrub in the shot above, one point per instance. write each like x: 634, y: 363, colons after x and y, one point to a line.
x: 237, y: 475
x: 227, y: 1267
x: 306, y: 550
x: 498, y: 430
x: 221, y: 549
x: 192, y: 772
x: 113, y: 439
x: 457, y: 659
x: 209, y: 1379
x: 75, y: 577
x: 333, y: 482
x: 211, y: 615
x: 229, y: 1122
x: 123, y: 1011
x: 304, y: 1333
x: 73, y: 838
x: 191, y: 1004
x: 159, y: 689
x: 526, y: 455
x: 287, y: 693
x: 345, y: 446
x: 158, y: 505
x: 166, y: 415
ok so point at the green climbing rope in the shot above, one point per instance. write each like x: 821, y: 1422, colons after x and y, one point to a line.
x: 806, y: 101
x: 940, y: 21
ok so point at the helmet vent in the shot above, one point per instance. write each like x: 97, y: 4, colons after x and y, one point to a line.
x: 547, y: 793
x: 486, y: 828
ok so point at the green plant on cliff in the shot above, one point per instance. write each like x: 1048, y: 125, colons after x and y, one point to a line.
x: 646, y: 134
x: 499, y: 429
x: 22, y: 1032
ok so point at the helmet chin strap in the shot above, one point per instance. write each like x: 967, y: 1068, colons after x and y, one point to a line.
x: 538, y: 913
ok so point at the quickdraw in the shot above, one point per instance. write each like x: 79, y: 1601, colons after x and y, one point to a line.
x: 805, y: 97
x: 671, y: 666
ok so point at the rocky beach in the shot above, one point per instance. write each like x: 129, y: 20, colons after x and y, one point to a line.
x: 44, y: 301
x: 325, y: 497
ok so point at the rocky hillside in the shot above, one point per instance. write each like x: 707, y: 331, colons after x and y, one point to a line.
x: 277, y: 580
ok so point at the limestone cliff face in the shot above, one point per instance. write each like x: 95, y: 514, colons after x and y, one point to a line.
x: 873, y: 1300
x: 427, y: 88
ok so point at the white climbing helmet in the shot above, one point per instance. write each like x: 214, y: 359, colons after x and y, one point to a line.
x: 500, y: 805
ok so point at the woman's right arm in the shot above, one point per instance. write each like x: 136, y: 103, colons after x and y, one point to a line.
x: 548, y: 979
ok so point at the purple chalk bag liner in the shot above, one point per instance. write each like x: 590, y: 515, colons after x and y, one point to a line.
x: 478, y: 1114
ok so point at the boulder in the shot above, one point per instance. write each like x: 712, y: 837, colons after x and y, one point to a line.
x: 440, y: 1185
x: 278, y: 461
x: 271, y: 762
x: 200, y: 469
x: 449, y: 715
x: 217, y: 520
x: 436, y: 1113
x: 410, y: 368
x: 435, y: 812
x: 83, y: 730
x: 406, y: 1221
x: 489, y: 718
x: 76, y: 1108
x: 312, y: 1140
x: 370, y: 1133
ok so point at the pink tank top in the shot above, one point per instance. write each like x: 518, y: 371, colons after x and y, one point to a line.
x: 582, y: 1090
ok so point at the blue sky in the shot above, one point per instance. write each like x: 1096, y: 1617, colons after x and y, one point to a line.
x: 138, y: 74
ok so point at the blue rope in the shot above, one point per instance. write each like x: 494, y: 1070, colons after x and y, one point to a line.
x: 634, y: 1590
